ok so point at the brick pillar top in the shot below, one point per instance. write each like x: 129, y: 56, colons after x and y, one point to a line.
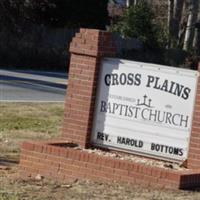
x: 87, y: 49
x: 93, y: 42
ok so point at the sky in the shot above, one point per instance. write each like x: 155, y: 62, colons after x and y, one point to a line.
x: 121, y: 1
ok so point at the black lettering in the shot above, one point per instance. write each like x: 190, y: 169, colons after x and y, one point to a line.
x: 102, y: 136
x: 137, y: 79
x: 186, y: 93
x: 128, y: 141
x: 115, y: 79
x: 130, y: 78
x: 152, y: 146
x: 171, y: 87
x: 168, y: 118
x: 136, y: 112
x: 165, y: 86
x: 126, y: 110
x: 171, y: 150
x: 141, y: 143
x: 150, y: 80
x: 143, y: 115
x: 130, y: 113
x: 122, y: 79
x: 107, y: 79
x: 180, y: 152
x: 173, y: 119
x: 167, y: 149
x: 99, y: 136
x: 152, y: 115
x: 115, y: 107
x: 157, y: 147
x: 106, y: 137
x: 178, y: 90
x: 109, y: 107
x: 121, y: 109
x: 161, y: 147
x: 123, y: 140
x: 119, y: 140
x: 184, y: 121
x: 103, y: 107
x: 176, y: 151
x: 157, y: 86
x: 159, y: 118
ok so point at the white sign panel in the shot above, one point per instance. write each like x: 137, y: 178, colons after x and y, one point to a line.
x: 145, y: 108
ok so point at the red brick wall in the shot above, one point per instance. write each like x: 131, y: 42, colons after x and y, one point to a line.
x: 66, y: 164
x: 194, y: 148
x: 87, y: 49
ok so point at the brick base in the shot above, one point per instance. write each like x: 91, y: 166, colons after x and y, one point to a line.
x: 63, y: 163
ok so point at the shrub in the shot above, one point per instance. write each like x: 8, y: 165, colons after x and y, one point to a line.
x: 138, y: 22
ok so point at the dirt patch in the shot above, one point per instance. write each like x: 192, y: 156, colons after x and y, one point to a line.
x: 14, y: 188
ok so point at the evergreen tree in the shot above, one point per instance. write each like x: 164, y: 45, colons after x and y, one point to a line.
x: 138, y: 22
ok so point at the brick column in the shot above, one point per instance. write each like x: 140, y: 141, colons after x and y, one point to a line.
x: 194, y: 148
x: 87, y: 49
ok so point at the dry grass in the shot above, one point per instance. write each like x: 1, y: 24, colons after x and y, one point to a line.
x: 27, y: 121
x: 19, y: 122
x: 13, y: 188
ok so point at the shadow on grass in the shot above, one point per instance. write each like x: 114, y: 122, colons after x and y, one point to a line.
x: 8, y: 161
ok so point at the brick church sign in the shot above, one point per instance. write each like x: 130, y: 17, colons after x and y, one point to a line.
x: 139, y: 108
x: 145, y: 108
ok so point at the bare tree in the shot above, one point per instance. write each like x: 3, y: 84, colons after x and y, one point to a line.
x: 177, y: 14
x: 181, y: 19
x: 196, y: 39
x: 190, y: 28
x: 131, y: 2
x: 127, y: 3
x: 170, y: 20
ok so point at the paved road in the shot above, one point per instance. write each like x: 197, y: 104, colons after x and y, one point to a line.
x: 28, y: 86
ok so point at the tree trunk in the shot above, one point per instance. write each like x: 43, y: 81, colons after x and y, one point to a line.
x: 183, y: 25
x: 178, y: 11
x: 127, y: 3
x: 196, y: 40
x: 131, y: 2
x: 170, y: 21
x: 135, y: 2
x: 189, y: 28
